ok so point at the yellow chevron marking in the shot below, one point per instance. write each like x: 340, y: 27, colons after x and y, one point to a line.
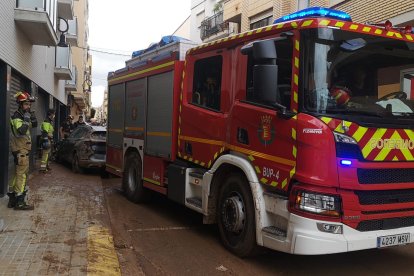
x: 390, y: 33
x: 101, y: 256
x: 264, y: 180
x: 296, y: 79
x: 296, y: 62
x: 294, y: 24
x: 353, y: 27
x: 297, y: 45
x: 294, y: 151
x: 366, y: 29
x: 215, y: 155
x: 269, y: 28
x: 307, y: 23
x: 295, y: 97
x: 326, y: 120
x: 185, y: 157
x: 257, y: 169
x: 251, y: 158
x: 209, y: 164
x: 279, y: 26
x: 274, y: 183
x: 395, y: 158
x: 409, y: 37
x: 378, y: 31
x: 259, y: 30
x: 250, y: 33
x: 203, y: 164
x: 284, y: 183
x: 197, y: 162
x: 377, y: 135
x: 292, y: 172
x: 339, y: 24
x: 190, y: 159
x: 324, y: 22
x: 294, y: 133
x: 179, y: 154
x: 152, y: 181
x: 142, y: 71
x: 398, y: 35
x: 359, y: 133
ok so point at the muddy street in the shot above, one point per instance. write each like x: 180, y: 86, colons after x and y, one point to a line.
x: 164, y: 238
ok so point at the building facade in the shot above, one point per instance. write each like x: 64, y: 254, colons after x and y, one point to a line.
x: 34, y: 57
x: 252, y: 14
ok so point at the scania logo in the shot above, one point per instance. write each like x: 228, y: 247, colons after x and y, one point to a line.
x: 392, y: 144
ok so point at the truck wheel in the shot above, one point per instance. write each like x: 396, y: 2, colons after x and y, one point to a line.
x: 132, y: 179
x: 75, y: 164
x: 236, y: 217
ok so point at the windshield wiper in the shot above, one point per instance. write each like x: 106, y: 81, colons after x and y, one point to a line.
x: 403, y: 114
x: 356, y: 112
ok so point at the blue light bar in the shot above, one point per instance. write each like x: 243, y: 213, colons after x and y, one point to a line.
x: 346, y: 162
x: 315, y: 12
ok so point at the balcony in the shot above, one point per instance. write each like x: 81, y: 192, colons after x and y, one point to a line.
x: 213, y: 25
x: 65, y: 9
x: 72, y: 34
x: 63, y: 67
x: 71, y: 85
x: 34, y: 18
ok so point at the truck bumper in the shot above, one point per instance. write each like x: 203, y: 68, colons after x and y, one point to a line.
x: 304, y: 238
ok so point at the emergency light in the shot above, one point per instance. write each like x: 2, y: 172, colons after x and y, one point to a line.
x: 315, y: 12
x: 346, y: 162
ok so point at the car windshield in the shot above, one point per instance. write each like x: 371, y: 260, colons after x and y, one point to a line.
x: 351, y: 74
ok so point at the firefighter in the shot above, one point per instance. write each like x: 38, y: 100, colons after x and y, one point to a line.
x: 79, y: 122
x: 47, y: 140
x: 21, y: 144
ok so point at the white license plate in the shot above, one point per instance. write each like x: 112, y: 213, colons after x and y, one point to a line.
x: 392, y: 240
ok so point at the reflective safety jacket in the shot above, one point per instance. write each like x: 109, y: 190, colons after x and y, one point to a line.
x: 47, y: 128
x: 20, y: 140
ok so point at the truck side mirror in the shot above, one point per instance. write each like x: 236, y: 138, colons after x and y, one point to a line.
x: 262, y: 50
x: 265, y: 82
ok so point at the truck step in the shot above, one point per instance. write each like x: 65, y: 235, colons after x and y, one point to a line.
x: 195, y: 201
x: 275, y: 231
x: 198, y: 174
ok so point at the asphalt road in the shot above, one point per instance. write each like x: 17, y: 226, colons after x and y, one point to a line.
x: 164, y: 238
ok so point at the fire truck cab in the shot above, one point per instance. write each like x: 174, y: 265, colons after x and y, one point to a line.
x: 297, y: 136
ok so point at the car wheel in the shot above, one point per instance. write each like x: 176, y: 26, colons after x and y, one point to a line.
x: 132, y: 179
x: 236, y: 216
x: 75, y: 164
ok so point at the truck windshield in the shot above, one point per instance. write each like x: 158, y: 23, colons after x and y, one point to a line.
x: 351, y: 74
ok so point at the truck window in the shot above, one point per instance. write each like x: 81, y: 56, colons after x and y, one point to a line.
x: 284, y: 50
x: 207, y: 82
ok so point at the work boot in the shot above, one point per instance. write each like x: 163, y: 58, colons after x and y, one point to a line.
x: 12, y: 200
x: 21, y: 204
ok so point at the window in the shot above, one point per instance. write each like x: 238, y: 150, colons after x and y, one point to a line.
x: 207, y: 82
x: 284, y: 50
x: 261, y: 23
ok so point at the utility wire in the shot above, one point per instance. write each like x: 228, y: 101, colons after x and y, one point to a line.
x: 102, y: 51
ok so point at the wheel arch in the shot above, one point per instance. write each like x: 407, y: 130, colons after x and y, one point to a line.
x: 225, y: 165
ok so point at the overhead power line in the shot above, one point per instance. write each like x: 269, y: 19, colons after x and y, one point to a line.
x: 103, y: 51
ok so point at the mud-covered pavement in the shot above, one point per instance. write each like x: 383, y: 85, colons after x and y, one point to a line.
x: 83, y: 225
x: 164, y: 238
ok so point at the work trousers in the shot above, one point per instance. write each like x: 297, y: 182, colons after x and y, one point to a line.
x: 19, y: 178
x: 44, y: 163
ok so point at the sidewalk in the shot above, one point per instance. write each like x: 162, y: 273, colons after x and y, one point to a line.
x: 68, y: 232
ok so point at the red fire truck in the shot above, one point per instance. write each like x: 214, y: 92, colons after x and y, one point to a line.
x: 297, y: 136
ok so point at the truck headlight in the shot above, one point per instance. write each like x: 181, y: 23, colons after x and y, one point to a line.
x: 320, y: 204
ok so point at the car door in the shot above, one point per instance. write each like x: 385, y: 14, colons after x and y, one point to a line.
x: 68, y: 144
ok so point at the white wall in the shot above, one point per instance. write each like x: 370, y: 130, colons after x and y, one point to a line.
x: 198, y: 7
x: 36, y: 63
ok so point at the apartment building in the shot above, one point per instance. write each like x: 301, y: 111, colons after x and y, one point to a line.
x: 252, y: 14
x: 43, y: 50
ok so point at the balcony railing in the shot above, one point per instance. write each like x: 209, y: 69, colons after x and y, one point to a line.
x: 213, y: 25
x: 36, y: 18
x: 71, y: 85
x: 72, y: 34
x: 63, y: 68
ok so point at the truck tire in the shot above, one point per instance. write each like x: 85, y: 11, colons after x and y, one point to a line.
x: 236, y: 216
x: 132, y: 179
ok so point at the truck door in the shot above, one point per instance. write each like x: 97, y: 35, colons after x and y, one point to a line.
x: 204, y: 113
x: 257, y: 130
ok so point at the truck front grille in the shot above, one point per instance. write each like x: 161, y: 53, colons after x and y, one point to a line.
x: 378, y: 176
x: 385, y: 197
x: 385, y: 224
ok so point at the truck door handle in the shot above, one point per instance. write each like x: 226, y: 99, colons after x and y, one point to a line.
x: 242, y: 136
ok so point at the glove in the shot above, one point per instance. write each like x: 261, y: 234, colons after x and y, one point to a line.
x: 26, y: 117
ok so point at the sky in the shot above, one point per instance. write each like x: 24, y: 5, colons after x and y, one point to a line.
x: 124, y: 26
